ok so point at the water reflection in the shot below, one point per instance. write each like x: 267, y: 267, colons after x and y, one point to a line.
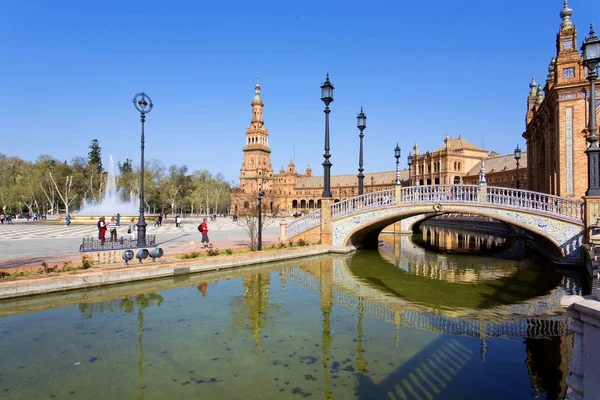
x: 463, y: 241
x: 312, y: 328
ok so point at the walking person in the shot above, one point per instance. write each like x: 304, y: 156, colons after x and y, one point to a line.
x: 177, y: 221
x: 203, y: 228
x: 112, y: 227
x: 118, y: 219
x: 102, y: 227
x: 132, y: 230
x: 68, y: 220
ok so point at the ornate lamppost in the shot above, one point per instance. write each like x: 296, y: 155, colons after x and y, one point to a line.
x: 409, y: 160
x: 591, y: 59
x: 259, y: 198
x: 517, y: 159
x: 372, y: 179
x: 397, y: 155
x: 144, y: 105
x: 361, y: 124
x: 327, y: 98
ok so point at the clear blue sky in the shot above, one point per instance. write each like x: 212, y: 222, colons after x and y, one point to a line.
x: 420, y: 69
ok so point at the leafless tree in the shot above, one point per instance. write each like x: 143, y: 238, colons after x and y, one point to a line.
x: 248, y: 218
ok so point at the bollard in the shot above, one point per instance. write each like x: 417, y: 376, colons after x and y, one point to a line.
x: 127, y: 255
x: 142, y: 254
x: 156, y: 253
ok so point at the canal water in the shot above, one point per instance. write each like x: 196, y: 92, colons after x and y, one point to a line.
x: 411, y: 320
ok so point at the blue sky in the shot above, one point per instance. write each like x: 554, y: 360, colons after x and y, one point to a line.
x: 420, y: 69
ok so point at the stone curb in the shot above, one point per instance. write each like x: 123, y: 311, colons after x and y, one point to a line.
x: 110, y: 275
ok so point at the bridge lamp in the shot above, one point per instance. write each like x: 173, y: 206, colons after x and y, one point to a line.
x: 591, y: 59
x: 409, y: 159
x: 397, y: 155
x: 327, y: 98
x: 361, y: 124
x: 517, y: 159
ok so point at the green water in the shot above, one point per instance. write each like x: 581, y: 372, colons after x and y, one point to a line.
x: 347, y: 327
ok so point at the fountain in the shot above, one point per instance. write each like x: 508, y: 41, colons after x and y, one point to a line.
x: 113, y: 201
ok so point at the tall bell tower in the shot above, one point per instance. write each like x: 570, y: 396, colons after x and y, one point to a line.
x: 256, y: 172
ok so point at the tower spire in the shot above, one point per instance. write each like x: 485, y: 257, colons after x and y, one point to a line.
x: 565, y: 14
x: 532, y: 86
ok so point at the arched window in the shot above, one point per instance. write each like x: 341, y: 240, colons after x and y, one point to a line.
x: 246, y: 205
x: 437, y: 181
x: 457, y: 180
x: 295, y: 204
x: 428, y: 182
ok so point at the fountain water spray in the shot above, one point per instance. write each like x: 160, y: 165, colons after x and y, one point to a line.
x: 113, y: 201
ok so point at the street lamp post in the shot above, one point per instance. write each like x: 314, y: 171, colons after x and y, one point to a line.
x: 259, y: 198
x: 397, y: 155
x: 517, y: 159
x: 361, y: 124
x: 372, y: 179
x: 409, y: 159
x: 144, y: 105
x: 591, y: 59
x: 327, y: 98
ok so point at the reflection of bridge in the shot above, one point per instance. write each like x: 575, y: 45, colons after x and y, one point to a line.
x: 357, y: 221
x: 349, y: 292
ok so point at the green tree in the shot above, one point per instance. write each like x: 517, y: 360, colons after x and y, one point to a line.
x: 95, y: 154
x: 125, y: 167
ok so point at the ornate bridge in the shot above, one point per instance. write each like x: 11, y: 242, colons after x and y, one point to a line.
x: 357, y: 221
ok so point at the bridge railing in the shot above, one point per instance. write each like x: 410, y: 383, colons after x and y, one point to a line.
x: 439, y: 193
x: 364, y: 202
x: 303, y: 223
x: 546, y: 203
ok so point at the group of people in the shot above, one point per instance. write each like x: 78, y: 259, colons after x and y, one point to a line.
x: 6, y: 218
x: 111, y: 227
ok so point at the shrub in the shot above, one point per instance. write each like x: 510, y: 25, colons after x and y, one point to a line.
x: 291, y: 243
x: 86, y: 263
x: 281, y: 245
x: 302, y: 242
x: 193, y: 254
x: 4, y: 274
x: 229, y: 251
x: 212, y: 252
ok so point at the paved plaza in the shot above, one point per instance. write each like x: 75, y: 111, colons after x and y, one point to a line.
x: 25, y: 243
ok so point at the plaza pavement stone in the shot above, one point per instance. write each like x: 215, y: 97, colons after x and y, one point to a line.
x: 24, y: 245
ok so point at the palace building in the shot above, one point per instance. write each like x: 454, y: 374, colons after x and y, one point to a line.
x: 290, y: 191
x: 556, y: 120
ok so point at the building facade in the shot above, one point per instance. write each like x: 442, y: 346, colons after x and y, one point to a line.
x: 556, y: 120
x: 290, y: 191
x: 447, y: 165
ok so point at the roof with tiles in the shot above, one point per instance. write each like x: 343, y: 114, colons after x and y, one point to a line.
x: 460, y: 144
x: 499, y: 164
x: 379, y: 178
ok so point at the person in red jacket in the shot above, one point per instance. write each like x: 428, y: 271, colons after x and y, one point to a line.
x: 203, y: 228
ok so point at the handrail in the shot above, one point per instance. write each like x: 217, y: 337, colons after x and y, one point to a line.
x: 463, y: 194
x: 369, y: 200
x: 303, y: 223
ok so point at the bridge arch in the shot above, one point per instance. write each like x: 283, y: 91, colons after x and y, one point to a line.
x: 362, y: 228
